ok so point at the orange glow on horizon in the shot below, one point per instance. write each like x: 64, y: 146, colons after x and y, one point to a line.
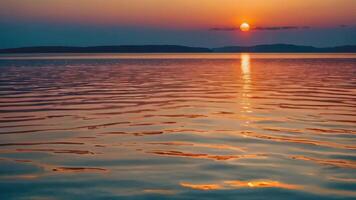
x: 161, y: 13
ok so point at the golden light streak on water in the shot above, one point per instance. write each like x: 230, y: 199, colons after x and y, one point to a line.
x: 132, y: 126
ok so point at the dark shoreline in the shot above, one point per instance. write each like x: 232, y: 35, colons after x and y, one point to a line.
x: 269, y: 48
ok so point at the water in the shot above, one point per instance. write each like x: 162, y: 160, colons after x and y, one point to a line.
x: 163, y: 126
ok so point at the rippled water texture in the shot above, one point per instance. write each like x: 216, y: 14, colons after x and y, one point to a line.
x: 178, y: 127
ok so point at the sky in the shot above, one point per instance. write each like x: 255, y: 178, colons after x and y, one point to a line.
x: 207, y: 23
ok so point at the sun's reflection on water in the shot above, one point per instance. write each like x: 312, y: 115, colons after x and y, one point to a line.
x: 237, y: 184
x: 167, y: 126
x: 246, y: 86
x: 245, y: 67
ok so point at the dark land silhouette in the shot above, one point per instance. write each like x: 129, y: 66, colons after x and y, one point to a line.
x: 287, y: 48
x: 269, y: 48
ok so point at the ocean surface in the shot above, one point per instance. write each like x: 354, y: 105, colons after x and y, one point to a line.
x: 177, y: 126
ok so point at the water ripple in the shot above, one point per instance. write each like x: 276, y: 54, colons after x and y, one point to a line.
x: 163, y: 125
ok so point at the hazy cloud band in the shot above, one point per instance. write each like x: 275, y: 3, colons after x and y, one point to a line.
x: 261, y: 28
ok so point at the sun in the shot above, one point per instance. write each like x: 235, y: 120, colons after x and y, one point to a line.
x: 244, y: 27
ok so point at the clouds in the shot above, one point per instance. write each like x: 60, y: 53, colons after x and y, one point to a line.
x: 277, y: 28
x: 261, y: 28
x: 224, y: 29
x: 18, y: 34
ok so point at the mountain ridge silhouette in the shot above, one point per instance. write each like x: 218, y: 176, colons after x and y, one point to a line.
x: 264, y: 48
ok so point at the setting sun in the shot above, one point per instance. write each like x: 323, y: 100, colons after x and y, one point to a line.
x: 245, y: 27
x: 178, y: 99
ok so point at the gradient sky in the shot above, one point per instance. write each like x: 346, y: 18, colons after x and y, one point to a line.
x: 207, y: 23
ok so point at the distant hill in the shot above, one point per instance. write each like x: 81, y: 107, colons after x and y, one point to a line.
x: 286, y: 48
x: 269, y: 48
x: 109, y: 49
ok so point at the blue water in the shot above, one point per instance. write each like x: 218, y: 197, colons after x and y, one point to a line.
x: 178, y: 126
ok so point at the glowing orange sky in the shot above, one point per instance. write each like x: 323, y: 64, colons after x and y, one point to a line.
x: 184, y: 13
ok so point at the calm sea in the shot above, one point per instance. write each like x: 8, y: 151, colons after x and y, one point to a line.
x: 178, y: 126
